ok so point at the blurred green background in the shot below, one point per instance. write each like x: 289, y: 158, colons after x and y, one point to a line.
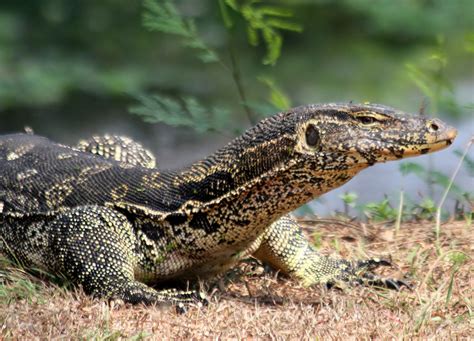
x: 73, y: 68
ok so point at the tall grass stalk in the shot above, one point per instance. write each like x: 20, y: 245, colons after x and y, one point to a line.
x: 445, y: 194
x: 399, y: 214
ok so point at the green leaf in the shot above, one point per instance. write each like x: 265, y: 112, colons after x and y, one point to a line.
x: 252, y: 36
x: 232, y: 4
x: 284, y: 25
x: 381, y: 211
x: 458, y: 258
x: 225, y: 14
x: 349, y: 198
x: 275, y: 11
x: 273, y: 42
x: 165, y: 18
x: 187, y: 112
x: 277, y: 97
x: 267, y: 22
x: 430, y: 76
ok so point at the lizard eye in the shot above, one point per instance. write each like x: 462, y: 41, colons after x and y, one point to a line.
x: 312, y: 136
x: 367, y: 119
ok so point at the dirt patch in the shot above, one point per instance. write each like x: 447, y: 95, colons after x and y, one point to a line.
x: 257, y: 303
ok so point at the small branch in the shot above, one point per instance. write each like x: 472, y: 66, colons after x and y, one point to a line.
x: 238, y: 82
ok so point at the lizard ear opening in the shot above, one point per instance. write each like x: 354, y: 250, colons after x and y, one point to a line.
x: 312, y: 136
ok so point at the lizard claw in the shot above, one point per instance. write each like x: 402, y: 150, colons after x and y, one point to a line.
x: 361, y: 273
x: 389, y: 283
x: 200, y: 299
x: 181, y: 308
x: 374, y: 280
x: 396, y: 284
x: 195, y: 298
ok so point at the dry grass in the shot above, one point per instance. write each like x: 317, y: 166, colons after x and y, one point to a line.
x: 264, y: 306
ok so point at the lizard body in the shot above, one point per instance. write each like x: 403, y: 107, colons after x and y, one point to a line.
x: 104, y: 216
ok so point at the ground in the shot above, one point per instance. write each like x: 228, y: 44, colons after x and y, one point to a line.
x: 258, y: 303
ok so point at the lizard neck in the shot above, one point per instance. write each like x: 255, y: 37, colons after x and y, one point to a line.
x: 233, y: 168
x: 247, y: 210
x: 239, y: 191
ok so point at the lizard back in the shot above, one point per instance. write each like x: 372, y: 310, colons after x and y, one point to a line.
x: 39, y: 177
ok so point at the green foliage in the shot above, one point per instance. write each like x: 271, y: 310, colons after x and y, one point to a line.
x: 425, y: 210
x: 20, y: 289
x: 262, y: 108
x: 411, y: 167
x: 317, y: 238
x: 458, y: 258
x: 50, y: 49
x: 349, y: 198
x: 277, y: 97
x: 186, y: 112
x: 263, y: 22
x: 15, y: 284
x: 431, y: 78
x: 46, y: 82
x: 266, y: 22
x: 381, y: 211
x: 408, y: 210
x: 164, y: 17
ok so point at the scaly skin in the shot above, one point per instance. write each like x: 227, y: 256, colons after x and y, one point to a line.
x: 112, y: 222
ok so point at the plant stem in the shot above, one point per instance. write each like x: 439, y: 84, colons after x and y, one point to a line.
x: 399, y: 213
x: 238, y: 82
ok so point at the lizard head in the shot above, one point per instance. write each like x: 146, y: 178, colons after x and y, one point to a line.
x: 364, y: 134
x: 309, y: 150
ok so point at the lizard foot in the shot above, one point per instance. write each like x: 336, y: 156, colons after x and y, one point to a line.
x: 360, y: 273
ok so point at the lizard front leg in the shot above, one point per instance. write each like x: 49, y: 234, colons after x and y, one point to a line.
x: 285, y: 248
x: 95, y: 247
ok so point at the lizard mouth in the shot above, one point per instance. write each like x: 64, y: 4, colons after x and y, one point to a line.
x: 439, y: 141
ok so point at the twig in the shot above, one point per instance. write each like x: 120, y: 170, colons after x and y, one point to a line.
x: 238, y: 82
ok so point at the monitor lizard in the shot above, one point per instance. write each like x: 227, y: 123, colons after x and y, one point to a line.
x: 105, y: 217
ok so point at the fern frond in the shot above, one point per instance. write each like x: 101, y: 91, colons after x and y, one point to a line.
x: 267, y: 22
x: 184, y: 112
x: 163, y: 16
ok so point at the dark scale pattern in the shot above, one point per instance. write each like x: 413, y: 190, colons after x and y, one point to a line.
x: 104, y: 216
